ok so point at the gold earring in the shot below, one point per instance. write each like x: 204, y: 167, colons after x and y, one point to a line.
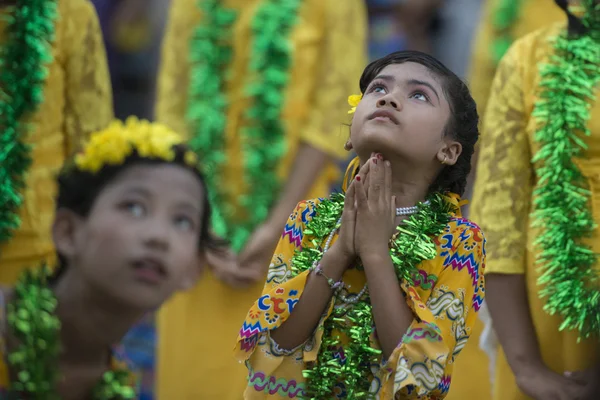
x: 444, y: 161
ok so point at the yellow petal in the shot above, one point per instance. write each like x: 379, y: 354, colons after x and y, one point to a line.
x: 354, y: 99
x: 190, y: 158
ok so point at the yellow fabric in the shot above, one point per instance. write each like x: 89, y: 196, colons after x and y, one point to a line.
x: 77, y: 101
x: 198, y: 328
x: 534, y: 14
x: 445, y: 302
x: 503, y: 198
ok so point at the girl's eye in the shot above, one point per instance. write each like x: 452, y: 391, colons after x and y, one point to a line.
x: 377, y: 87
x: 184, y: 223
x: 137, y: 210
x: 419, y: 96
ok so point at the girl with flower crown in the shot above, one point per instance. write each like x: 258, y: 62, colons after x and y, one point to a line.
x: 373, y: 293
x: 537, y: 196
x: 131, y: 225
x: 55, y: 91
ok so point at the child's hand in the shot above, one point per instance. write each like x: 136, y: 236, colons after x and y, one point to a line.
x: 345, y: 246
x: 543, y: 384
x: 225, y: 266
x: 588, y: 378
x: 376, y: 209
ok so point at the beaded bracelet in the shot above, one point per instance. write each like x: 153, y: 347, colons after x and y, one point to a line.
x: 332, y: 284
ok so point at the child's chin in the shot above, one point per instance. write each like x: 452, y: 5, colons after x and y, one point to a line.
x: 142, y: 300
x: 373, y: 143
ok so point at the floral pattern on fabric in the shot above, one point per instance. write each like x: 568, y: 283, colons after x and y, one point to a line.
x: 445, y: 299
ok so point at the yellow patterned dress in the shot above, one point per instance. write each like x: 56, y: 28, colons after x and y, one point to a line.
x: 503, y: 198
x: 196, y: 329
x: 77, y: 101
x: 445, y: 300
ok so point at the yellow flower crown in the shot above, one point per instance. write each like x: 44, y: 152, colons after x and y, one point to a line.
x: 353, y: 101
x: 114, y: 144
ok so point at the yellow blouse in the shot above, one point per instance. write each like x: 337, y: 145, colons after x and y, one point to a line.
x: 506, y: 176
x: 328, y: 42
x: 445, y: 301
x: 534, y: 14
x: 77, y: 101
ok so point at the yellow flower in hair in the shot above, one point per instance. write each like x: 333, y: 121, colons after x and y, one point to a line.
x: 117, y: 142
x: 191, y: 159
x: 353, y: 100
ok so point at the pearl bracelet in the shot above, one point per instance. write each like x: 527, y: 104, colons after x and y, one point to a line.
x: 335, y: 286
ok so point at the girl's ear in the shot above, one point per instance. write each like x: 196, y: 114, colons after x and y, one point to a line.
x: 449, y: 153
x: 348, y: 145
x: 65, y: 229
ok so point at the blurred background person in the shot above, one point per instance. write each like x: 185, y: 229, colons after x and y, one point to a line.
x: 501, y: 22
x: 536, y: 109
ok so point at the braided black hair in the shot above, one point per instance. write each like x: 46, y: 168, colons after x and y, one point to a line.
x: 576, y: 27
x: 463, y: 123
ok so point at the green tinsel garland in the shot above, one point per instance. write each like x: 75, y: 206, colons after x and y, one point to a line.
x: 505, y: 15
x: 562, y: 212
x: 411, y: 246
x: 263, y: 137
x: 29, y: 32
x: 31, y: 318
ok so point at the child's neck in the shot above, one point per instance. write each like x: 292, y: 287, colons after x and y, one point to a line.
x: 409, y: 187
x: 90, y: 324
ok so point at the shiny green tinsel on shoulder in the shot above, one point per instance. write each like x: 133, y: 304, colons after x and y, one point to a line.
x: 32, y: 320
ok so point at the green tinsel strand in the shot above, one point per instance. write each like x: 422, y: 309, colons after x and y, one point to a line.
x: 210, y: 54
x: 263, y: 139
x: 412, y: 245
x: 569, y: 276
x: 265, y: 144
x: 505, y: 15
x: 31, y: 317
x: 29, y: 33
